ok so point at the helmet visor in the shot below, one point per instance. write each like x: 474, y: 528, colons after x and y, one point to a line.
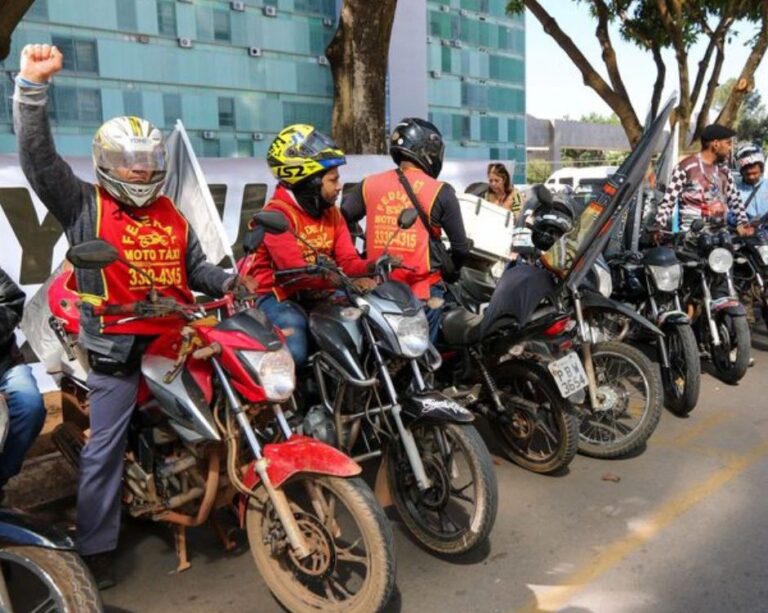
x: 133, y: 158
x: 317, y: 146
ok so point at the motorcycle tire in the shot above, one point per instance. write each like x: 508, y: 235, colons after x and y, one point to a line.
x: 547, y: 441
x: 614, y: 362
x: 417, y: 509
x: 731, y: 358
x: 304, y: 585
x: 68, y: 584
x: 683, y: 378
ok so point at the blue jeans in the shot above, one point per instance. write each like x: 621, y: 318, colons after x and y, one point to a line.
x: 434, y: 315
x: 285, y: 315
x: 26, y: 418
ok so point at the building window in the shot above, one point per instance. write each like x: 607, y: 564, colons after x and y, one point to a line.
x: 244, y: 148
x: 126, y: 15
x: 80, y: 55
x: 222, y: 28
x: 171, y: 109
x: 38, y: 10
x: 166, y: 18
x: 226, y: 112
x: 211, y: 149
x: 318, y: 115
x: 132, y: 103
x: 5, y: 103
x: 489, y: 129
x: 75, y: 105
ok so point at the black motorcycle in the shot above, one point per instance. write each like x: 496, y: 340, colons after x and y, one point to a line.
x: 39, y: 568
x: 750, y: 269
x: 374, y: 402
x: 710, y: 297
x: 503, y: 374
x: 649, y: 281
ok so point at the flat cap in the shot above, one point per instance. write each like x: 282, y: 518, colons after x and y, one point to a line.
x: 715, y: 131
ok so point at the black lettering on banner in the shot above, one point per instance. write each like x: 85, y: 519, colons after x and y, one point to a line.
x: 37, y: 240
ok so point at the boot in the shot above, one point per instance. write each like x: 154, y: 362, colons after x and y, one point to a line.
x: 102, y: 568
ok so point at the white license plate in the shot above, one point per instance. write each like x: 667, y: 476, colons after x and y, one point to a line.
x: 569, y: 374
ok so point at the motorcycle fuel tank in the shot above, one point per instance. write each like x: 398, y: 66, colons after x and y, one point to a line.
x: 336, y: 330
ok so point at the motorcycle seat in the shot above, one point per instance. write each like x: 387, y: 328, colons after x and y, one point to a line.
x: 478, y: 284
x: 460, y: 327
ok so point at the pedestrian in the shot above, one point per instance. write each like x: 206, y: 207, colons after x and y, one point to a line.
x: 501, y: 191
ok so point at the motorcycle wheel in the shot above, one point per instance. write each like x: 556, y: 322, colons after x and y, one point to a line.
x: 731, y: 358
x: 352, y: 565
x: 683, y: 378
x: 545, y: 441
x: 630, y: 387
x: 40, y: 579
x: 457, y: 513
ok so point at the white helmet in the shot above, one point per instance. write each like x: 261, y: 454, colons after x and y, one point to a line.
x: 748, y: 154
x: 130, y: 142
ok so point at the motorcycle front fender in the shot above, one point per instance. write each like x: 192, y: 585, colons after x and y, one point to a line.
x: 434, y: 406
x: 673, y: 318
x: 729, y: 306
x: 300, y: 454
x: 17, y: 528
x: 595, y: 301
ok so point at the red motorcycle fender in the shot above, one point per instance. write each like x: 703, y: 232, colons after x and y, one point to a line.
x: 300, y: 454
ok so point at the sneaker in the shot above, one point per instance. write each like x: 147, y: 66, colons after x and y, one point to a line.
x: 102, y: 568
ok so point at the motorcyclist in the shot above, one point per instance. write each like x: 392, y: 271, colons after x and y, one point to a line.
x: 702, y: 186
x: 26, y: 412
x: 417, y: 147
x: 126, y: 209
x: 306, y: 164
x: 752, y: 185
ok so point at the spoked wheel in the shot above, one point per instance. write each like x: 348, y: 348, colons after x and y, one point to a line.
x: 731, y: 357
x: 629, y: 402
x: 351, y: 566
x: 46, y: 580
x: 682, y: 380
x: 457, y: 512
x: 543, y: 439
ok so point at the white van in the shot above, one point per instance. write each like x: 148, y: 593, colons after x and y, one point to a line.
x: 580, y: 179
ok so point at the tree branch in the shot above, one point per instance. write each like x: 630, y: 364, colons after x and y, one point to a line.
x: 608, y: 52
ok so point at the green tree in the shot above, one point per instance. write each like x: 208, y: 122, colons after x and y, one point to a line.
x: 593, y: 117
x: 537, y: 171
x: 655, y: 25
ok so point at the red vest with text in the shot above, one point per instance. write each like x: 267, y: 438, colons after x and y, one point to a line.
x: 320, y: 233
x: 384, y: 198
x: 152, y: 238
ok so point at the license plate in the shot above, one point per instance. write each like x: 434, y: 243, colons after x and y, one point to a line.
x: 569, y: 374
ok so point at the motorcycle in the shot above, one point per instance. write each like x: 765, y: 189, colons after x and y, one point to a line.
x: 709, y: 294
x: 650, y: 281
x: 211, y: 394
x: 750, y: 269
x: 536, y: 427
x: 39, y: 568
x: 374, y: 402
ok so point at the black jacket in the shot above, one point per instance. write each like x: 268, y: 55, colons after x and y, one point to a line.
x: 11, y: 308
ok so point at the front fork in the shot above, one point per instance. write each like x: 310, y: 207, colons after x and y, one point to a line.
x: 409, y: 442
x: 586, y: 336
x: 714, y: 333
x: 277, y: 496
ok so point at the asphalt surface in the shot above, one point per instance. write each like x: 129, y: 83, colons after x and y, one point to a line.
x: 682, y: 529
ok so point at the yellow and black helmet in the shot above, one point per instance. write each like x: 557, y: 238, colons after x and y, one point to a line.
x: 300, y: 152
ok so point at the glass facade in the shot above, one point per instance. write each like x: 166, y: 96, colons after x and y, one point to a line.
x: 237, y: 72
x: 476, y: 55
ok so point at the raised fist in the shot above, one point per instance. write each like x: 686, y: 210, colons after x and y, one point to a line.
x: 40, y: 62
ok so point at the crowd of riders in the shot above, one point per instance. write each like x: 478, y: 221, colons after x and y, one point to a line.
x: 127, y: 203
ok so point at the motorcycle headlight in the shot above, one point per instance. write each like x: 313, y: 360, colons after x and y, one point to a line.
x: 274, y: 370
x: 412, y: 333
x: 720, y: 260
x: 667, y: 278
x: 763, y: 251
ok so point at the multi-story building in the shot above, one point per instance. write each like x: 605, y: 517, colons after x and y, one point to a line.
x: 237, y: 71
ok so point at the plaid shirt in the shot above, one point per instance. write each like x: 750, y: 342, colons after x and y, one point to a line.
x: 689, y: 176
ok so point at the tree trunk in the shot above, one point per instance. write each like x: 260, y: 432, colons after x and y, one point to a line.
x: 358, y: 55
x: 11, y: 12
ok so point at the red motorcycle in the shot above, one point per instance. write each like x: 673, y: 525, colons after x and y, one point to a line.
x: 211, y: 394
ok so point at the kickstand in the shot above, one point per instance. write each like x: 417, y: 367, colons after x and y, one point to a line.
x: 228, y: 543
x: 180, y: 539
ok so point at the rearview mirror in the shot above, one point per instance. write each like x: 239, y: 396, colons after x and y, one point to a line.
x: 697, y: 225
x: 542, y: 194
x: 272, y: 222
x: 93, y: 254
x: 407, y: 218
x: 253, y: 239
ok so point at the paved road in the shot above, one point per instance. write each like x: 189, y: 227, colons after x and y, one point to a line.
x: 684, y: 529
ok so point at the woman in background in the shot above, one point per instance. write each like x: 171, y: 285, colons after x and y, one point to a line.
x: 500, y: 189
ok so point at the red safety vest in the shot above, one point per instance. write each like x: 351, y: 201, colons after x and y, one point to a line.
x: 154, y: 239
x: 384, y: 198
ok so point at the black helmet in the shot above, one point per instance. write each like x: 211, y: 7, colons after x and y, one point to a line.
x: 552, y: 217
x: 420, y: 142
